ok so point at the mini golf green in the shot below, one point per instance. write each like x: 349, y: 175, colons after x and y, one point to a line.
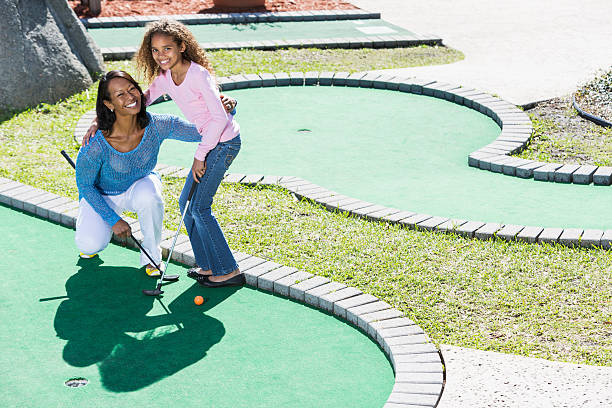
x: 396, y: 149
x: 65, y: 318
x: 222, y: 33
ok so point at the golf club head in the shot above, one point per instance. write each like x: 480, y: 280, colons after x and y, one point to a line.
x: 155, y: 292
x: 171, y: 278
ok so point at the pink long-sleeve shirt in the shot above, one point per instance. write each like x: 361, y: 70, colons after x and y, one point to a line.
x: 198, y: 98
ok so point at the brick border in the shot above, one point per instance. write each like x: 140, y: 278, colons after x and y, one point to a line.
x: 417, y: 363
x: 516, y: 133
x: 233, y: 18
x: 386, y: 41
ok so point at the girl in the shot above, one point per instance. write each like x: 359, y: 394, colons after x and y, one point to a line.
x: 171, y: 57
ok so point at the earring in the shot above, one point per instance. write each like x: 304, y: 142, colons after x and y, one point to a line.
x: 111, y: 109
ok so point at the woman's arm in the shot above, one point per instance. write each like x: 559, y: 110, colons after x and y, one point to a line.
x: 173, y: 127
x: 87, y: 169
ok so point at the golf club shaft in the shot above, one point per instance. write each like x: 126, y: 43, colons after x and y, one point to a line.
x: 69, y: 160
x: 145, y: 252
x: 191, y: 191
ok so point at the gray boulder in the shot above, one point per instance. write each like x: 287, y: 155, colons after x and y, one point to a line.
x: 46, y: 54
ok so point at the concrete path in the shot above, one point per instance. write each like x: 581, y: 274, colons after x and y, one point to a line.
x: 524, y: 51
x: 478, y: 379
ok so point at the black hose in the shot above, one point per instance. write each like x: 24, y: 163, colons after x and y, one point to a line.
x: 588, y: 116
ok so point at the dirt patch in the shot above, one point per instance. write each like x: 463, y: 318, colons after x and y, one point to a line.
x: 122, y: 8
x: 561, y: 136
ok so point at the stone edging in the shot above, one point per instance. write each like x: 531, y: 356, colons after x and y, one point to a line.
x: 233, y: 18
x: 516, y: 132
x: 381, y: 41
x: 417, y: 363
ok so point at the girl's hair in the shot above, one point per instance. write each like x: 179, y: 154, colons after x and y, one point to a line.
x: 106, y: 118
x: 181, y: 35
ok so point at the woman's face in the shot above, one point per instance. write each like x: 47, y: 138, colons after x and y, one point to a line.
x: 124, y: 97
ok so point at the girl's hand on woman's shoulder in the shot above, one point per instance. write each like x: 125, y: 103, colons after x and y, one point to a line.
x: 228, y: 102
x: 90, y: 132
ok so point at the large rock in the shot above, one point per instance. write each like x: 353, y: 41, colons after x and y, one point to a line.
x: 46, y: 53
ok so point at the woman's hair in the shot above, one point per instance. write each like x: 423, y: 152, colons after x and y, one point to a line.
x: 181, y: 35
x: 106, y: 118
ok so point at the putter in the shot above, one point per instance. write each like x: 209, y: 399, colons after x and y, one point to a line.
x: 169, y: 278
x: 158, y: 291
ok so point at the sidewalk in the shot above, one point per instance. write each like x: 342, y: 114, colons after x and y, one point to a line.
x: 478, y: 379
x: 523, y: 51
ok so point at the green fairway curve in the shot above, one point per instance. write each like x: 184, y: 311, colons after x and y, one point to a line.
x: 88, y: 318
x: 222, y: 33
x: 395, y: 149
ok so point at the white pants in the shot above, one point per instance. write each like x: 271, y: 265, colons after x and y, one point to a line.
x: 144, y: 197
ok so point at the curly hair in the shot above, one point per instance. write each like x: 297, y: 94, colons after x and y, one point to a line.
x: 181, y: 35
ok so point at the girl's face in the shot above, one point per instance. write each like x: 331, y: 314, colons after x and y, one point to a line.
x: 124, y: 97
x: 166, y: 52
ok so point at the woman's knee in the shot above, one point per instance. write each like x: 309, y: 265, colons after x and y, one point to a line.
x: 147, y: 198
x: 89, y: 243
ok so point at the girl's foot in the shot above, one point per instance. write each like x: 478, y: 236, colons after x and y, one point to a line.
x: 196, y: 272
x: 222, y: 278
x: 234, y: 278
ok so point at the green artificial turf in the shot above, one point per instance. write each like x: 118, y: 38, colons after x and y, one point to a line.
x: 88, y: 318
x: 543, y: 301
x: 396, y: 149
x: 224, y: 33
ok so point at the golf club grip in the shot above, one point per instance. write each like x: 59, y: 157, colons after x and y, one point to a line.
x: 68, y: 159
x: 194, y: 185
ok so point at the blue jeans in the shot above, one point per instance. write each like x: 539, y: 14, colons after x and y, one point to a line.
x: 207, y: 241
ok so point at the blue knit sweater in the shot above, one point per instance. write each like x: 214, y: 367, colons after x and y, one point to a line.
x: 102, y: 170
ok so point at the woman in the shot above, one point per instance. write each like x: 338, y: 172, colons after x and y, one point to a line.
x: 114, y: 171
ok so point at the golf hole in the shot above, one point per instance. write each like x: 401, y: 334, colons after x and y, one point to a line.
x: 304, y: 130
x: 76, y: 382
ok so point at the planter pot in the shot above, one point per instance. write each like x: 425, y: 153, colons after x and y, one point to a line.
x: 239, y: 3
x: 95, y: 6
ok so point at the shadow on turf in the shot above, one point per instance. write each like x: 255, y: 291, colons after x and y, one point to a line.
x: 105, y: 322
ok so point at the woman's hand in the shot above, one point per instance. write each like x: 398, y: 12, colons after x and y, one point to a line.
x: 198, y: 169
x: 122, y: 229
x: 228, y: 102
x: 90, y: 132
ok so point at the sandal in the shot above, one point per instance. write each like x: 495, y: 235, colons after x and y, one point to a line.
x: 193, y: 273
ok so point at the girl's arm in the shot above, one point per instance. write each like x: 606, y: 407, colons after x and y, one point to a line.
x: 155, y: 91
x: 87, y: 169
x: 207, y: 87
x: 93, y: 128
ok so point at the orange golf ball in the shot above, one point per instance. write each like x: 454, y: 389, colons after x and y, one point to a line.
x: 198, y: 300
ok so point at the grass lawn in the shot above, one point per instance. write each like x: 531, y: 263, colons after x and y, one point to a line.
x: 535, y: 300
x: 231, y: 62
